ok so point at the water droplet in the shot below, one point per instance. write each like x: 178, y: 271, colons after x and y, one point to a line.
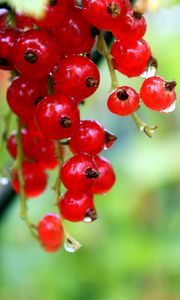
x: 71, y: 245
x: 90, y: 216
x: 170, y: 109
x: 4, y: 181
x: 151, y: 71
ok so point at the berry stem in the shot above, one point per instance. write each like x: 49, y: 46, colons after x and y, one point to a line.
x: 57, y: 185
x: 148, y: 130
x: 23, y: 198
x: 104, y: 51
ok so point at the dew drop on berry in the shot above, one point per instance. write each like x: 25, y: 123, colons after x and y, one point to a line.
x: 169, y: 109
x: 71, y: 245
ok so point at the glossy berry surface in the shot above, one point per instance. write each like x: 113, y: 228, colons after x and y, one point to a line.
x: 35, y: 53
x: 50, y: 232
x: 103, y: 13
x: 106, y: 178
x: 77, y: 77
x: 131, y: 27
x: 75, y: 34
x: 131, y: 59
x: 34, y: 177
x: 57, y: 117
x: 123, y: 101
x: 23, y: 93
x: 89, y: 138
x: 54, y: 13
x: 7, y: 41
x: 158, y: 94
x: 79, y: 173
x: 76, y: 206
x: 26, y: 144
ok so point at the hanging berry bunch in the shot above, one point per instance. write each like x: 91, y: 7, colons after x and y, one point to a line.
x: 52, y: 73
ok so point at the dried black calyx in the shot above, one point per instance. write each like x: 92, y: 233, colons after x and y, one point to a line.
x: 153, y: 62
x: 30, y: 57
x: 122, y: 95
x: 137, y: 15
x: 109, y: 137
x: 91, y: 173
x: 170, y: 85
x: 91, y: 82
x: 113, y: 9
x: 94, y: 32
x: 53, y: 2
x: 4, y: 62
x: 65, y: 122
x: 91, y: 215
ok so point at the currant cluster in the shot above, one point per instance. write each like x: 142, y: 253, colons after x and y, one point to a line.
x: 52, y: 74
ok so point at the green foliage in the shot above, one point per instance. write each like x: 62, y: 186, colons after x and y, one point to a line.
x: 33, y: 8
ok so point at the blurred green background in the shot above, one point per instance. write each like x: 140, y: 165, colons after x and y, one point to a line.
x: 132, y: 252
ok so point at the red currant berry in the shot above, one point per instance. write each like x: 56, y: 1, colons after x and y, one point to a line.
x: 34, y: 177
x: 54, y: 13
x: 45, y: 154
x: 123, y: 101
x: 76, y: 77
x: 27, y: 144
x: 75, y: 34
x: 7, y: 40
x: 35, y: 53
x: 89, y: 138
x: 79, y: 173
x: 103, y: 13
x: 131, y: 27
x: 106, y: 178
x: 158, y: 94
x: 23, y: 94
x: 57, y: 117
x: 77, y: 206
x: 131, y: 59
x: 50, y: 232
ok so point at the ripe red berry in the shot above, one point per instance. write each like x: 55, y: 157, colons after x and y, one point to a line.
x: 89, y: 138
x: 131, y: 59
x: 27, y: 144
x: 79, y: 173
x: 77, y: 206
x: 34, y: 177
x: 7, y: 41
x: 123, y: 101
x: 131, y: 27
x: 158, y: 94
x: 50, y: 232
x: 35, y: 53
x: 103, y: 13
x: 23, y: 94
x: 106, y: 178
x: 57, y: 117
x: 76, y: 77
x: 75, y: 34
x: 54, y: 13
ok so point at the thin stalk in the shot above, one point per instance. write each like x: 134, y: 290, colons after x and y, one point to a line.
x: 22, y: 194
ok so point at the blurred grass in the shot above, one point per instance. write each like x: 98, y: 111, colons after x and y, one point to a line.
x: 132, y: 252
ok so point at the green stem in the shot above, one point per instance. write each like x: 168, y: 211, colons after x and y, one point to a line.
x: 104, y: 51
x: 23, y: 198
x: 57, y: 185
x: 148, y: 130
